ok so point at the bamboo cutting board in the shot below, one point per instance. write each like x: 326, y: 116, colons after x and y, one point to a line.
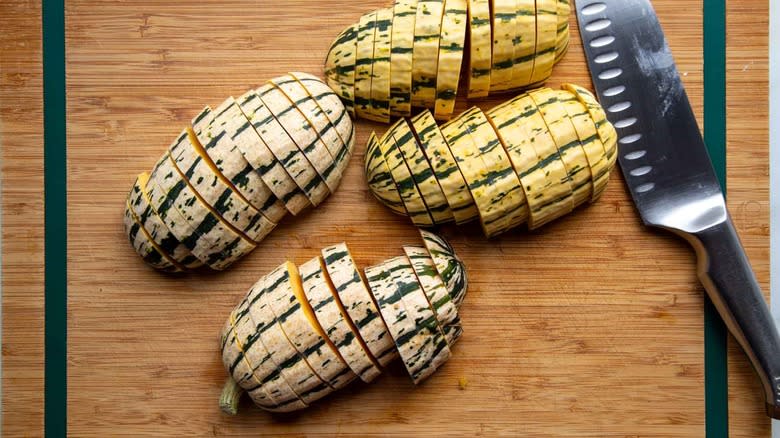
x: 591, y: 326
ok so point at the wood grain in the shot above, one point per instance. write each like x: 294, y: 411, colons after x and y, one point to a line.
x: 747, y: 76
x: 21, y: 155
x: 591, y: 326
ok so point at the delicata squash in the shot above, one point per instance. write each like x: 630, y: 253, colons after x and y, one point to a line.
x: 303, y: 332
x: 411, y: 54
x: 236, y: 171
x: 529, y: 160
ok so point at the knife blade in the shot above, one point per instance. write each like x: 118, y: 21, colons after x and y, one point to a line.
x: 668, y: 171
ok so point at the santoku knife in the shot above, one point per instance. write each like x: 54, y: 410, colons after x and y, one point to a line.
x: 668, y: 170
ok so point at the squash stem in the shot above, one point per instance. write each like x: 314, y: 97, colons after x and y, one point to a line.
x: 231, y: 394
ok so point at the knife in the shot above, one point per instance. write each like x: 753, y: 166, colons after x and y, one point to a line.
x: 668, y: 170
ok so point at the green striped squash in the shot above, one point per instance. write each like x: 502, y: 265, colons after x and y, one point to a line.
x: 303, y: 332
x: 235, y: 172
x: 411, y: 54
x: 530, y: 160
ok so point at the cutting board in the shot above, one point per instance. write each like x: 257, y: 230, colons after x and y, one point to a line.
x: 590, y: 326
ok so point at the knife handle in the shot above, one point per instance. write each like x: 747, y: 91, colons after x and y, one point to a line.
x: 726, y: 274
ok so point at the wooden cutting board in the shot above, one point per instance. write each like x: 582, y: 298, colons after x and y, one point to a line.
x: 591, y: 326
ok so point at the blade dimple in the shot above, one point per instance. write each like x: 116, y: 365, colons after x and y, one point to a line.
x: 644, y: 188
x: 620, y: 106
x: 597, y: 25
x: 614, y: 91
x: 602, y: 41
x: 625, y: 123
x: 640, y: 171
x: 635, y: 155
x: 611, y: 73
x: 633, y: 138
x: 594, y: 8
x: 606, y: 57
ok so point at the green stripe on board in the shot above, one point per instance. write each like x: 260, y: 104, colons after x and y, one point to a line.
x: 55, y: 217
x: 716, y: 406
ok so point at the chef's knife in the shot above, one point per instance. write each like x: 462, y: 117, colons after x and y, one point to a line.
x: 668, y: 170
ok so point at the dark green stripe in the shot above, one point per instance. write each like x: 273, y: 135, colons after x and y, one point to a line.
x: 348, y: 337
x: 545, y: 51
x: 291, y: 310
x: 526, y: 58
x: 241, y: 179
x: 341, y: 70
x: 347, y: 35
x: 402, y: 50
x: 715, y: 333
x: 448, y: 94
x: 324, y: 302
x: 289, y: 196
x: 370, y: 316
x: 220, y: 114
x: 383, y: 25
x: 314, y: 274
x: 240, y: 129
x: 133, y: 232
x: 55, y: 219
x: 266, y: 170
x: 455, y: 137
x: 452, y: 47
x: 214, y: 140
x: 354, y: 280
x: 424, y: 82
x: 426, y: 37
x: 203, y: 114
x: 311, y: 185
x: 331, y: 258
x: 502, y: 64
x: 477, y: 72
x: 405, y: 13
x: 519, y: 116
